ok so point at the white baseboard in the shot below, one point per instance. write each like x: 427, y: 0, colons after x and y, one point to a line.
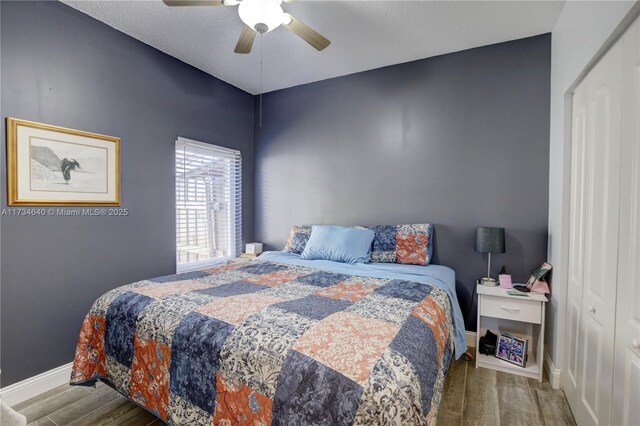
x: 36, y: 385
x: 471, y: 339
x: 553, y: 373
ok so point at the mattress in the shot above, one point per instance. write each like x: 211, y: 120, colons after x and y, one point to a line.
x: 277, y: 340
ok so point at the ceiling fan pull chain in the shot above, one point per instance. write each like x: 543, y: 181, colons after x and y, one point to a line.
x: 260, y: 79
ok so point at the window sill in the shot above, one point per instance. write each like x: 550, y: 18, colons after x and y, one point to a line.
x: 196, y: 266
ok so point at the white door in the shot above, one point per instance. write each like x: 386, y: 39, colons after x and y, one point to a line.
x: 626, y: 389
x: 577, y: 233
x: 597, y: 216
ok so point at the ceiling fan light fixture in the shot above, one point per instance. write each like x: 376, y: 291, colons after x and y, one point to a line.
x: 269, y: 13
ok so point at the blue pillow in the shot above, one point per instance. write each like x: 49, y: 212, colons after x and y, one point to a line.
x: 338, y: 243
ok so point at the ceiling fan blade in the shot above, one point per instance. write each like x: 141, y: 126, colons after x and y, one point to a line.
x: 193, y: 2
x: 246, y: 40
x: 305, y: 32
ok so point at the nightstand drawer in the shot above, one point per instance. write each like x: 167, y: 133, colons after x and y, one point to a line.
x: 511, y: 308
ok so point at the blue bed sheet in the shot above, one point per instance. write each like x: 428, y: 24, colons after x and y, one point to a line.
x: 436, y: 275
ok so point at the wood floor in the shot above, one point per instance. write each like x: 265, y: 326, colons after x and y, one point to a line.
x: 471, y: 397
x: 84, y: 406
x: 477, y: 396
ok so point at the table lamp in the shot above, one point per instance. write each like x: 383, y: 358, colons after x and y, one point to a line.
x: 489, y: 240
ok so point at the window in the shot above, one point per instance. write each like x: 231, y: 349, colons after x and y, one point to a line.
x: 208, y: 204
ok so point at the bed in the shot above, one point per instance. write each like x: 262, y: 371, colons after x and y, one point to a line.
x: 279, y: 340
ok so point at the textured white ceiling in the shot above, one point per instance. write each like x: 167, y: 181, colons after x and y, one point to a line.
x: 364, y: 34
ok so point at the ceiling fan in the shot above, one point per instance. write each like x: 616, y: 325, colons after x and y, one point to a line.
x: 261, y: 16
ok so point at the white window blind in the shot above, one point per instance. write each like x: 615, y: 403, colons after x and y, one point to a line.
x: 208, y: 204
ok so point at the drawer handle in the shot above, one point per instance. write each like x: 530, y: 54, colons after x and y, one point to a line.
x: 506, y: 308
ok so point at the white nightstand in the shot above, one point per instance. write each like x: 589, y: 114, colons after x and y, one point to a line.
x: 522, y: 316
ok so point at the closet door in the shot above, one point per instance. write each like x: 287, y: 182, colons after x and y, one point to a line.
x: 626, y: 389
x: 597, y: 319
x: 577, y: 233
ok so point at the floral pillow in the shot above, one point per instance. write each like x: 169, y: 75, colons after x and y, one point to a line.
x: 410, y: 244
x: 298, y: 238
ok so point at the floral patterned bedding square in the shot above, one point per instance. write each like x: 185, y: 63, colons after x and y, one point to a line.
x: 409, y: 244
x: 262, y: 342
x: 298, y: 237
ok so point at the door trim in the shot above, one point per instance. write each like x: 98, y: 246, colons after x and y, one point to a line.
x: 562, y: 278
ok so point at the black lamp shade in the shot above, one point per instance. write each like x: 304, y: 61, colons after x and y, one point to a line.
x: 489, y: 240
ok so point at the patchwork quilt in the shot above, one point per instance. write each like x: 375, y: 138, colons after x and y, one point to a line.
x: 260, y: 342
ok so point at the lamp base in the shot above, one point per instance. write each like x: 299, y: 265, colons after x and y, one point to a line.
x: 489, y: 282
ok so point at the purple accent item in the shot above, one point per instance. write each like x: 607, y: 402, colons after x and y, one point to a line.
x: 505, y: 280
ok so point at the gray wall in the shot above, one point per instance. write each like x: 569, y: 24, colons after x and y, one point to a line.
x: 460, y: 140
x: 62, y: 67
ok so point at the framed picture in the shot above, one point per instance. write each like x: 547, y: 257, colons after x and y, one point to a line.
x: 51, y: 165
x: 512, y: 349
x: 504, y: 346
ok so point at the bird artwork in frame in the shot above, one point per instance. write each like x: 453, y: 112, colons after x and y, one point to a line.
x: 52, y: 165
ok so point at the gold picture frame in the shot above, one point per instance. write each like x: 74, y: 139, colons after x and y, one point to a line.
x: 45, y: 166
